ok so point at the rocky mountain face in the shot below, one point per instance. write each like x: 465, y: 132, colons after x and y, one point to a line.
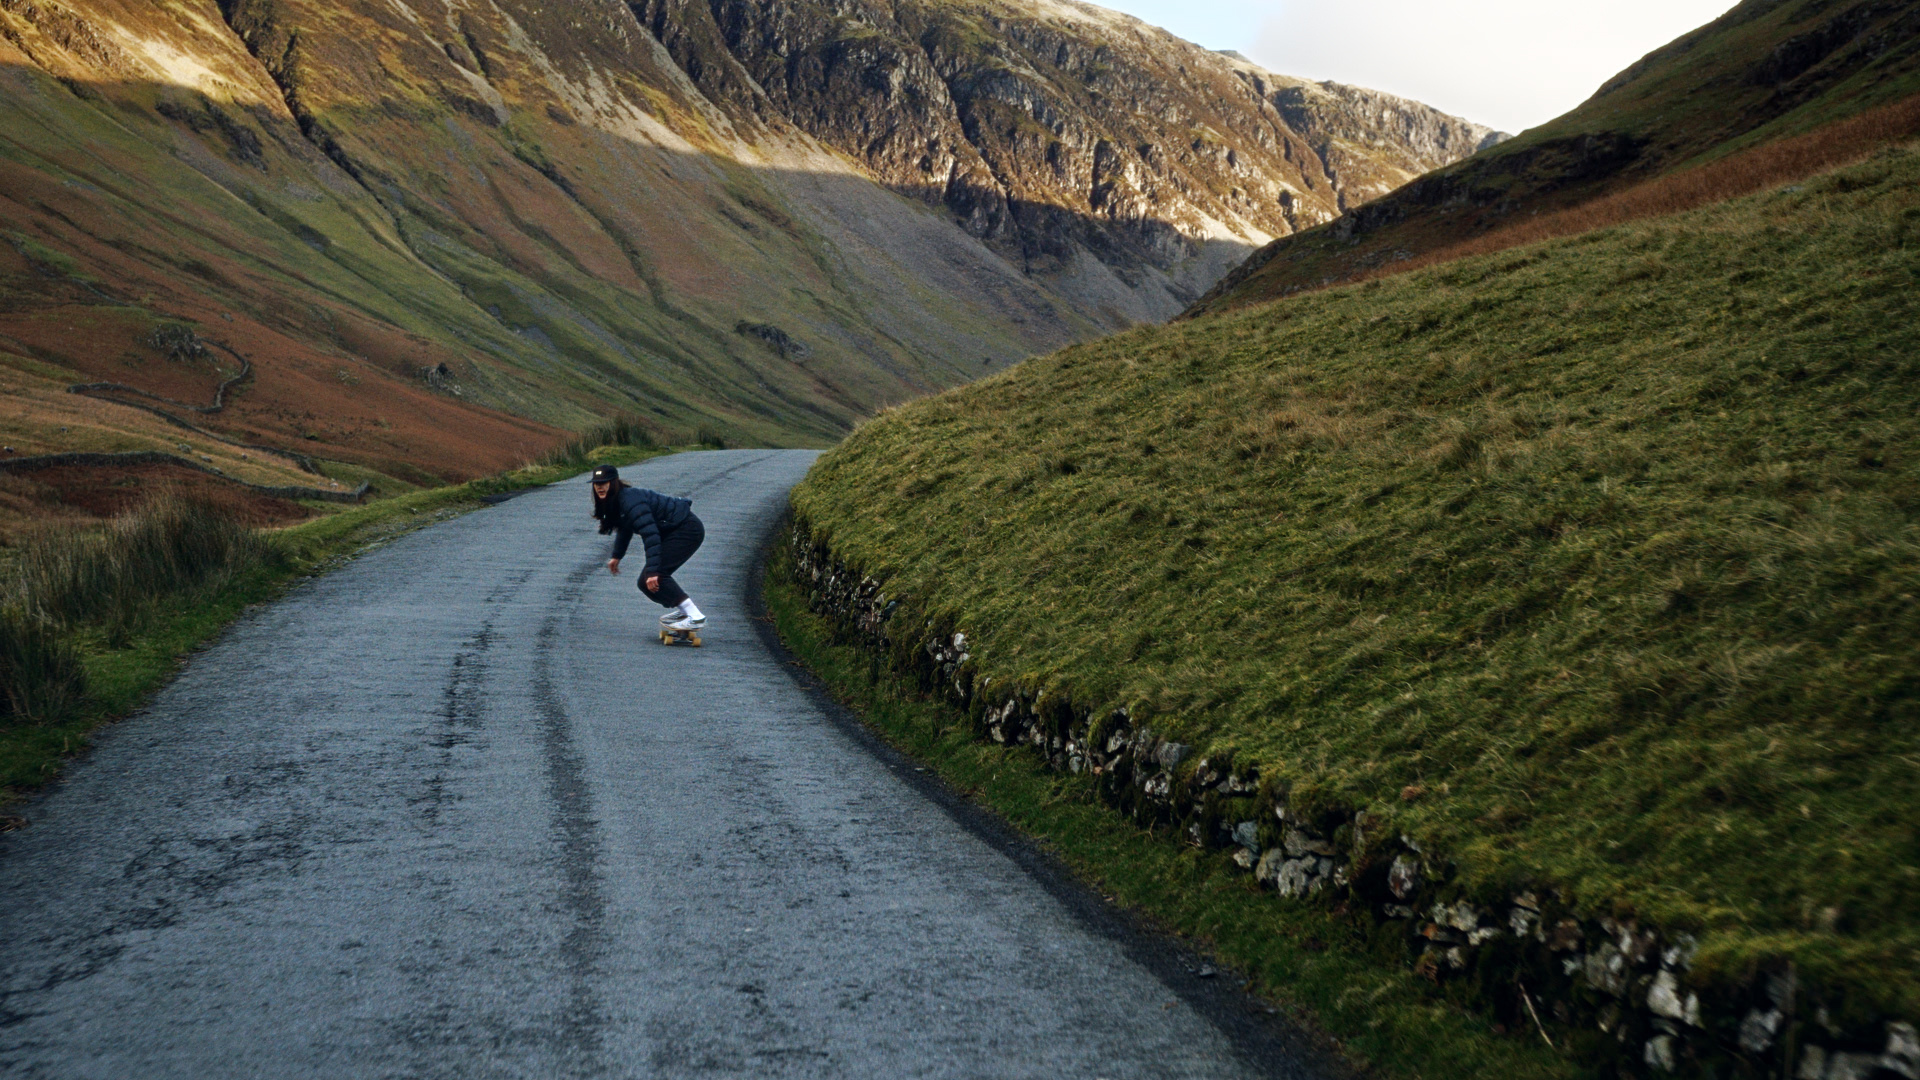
x: 766, y: 219
x: 1368, y: 141
x: 1764, y: 71
x: 1080, y: 143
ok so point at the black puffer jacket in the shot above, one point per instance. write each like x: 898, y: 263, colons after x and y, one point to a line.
x: 646, y: 513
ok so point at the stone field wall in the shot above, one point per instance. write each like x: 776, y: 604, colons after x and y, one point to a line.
x: 1608, y: 989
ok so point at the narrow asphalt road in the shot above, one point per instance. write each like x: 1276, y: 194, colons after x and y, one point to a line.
x: 452, y: 811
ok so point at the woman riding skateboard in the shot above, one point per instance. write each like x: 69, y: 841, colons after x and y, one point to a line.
x: 668, y: 531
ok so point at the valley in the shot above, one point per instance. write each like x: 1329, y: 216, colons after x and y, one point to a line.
x: 444, y: 234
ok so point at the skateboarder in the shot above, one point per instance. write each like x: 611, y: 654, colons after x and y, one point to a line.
x: 668, y: 532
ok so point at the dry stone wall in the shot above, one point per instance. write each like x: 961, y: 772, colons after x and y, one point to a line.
x: 1608, y: 989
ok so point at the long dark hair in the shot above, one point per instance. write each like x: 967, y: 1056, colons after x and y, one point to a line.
x: 606, y: 510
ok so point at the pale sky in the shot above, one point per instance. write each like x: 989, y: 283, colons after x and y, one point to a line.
x: 1510, y: 64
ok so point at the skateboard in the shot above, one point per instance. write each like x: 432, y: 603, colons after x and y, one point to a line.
x: 670, y: 636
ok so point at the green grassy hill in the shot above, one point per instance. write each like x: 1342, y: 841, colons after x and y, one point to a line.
x: 1765, y: 71
x: 1590, y: 565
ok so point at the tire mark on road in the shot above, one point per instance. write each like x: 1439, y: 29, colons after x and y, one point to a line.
x: 710, y: 481
x: 582, y: 897
x: 463, y: 700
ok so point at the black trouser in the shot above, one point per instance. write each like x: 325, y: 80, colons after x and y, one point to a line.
x: 677, y: 545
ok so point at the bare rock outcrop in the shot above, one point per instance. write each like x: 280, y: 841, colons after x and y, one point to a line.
x: 1076, y: 141
x: 1371, y: 142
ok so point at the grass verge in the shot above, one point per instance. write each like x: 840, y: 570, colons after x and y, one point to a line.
x: 99, y: 621
x: 1315, y: 963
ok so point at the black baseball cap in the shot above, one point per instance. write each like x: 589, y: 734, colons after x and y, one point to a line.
x: 603, y: 474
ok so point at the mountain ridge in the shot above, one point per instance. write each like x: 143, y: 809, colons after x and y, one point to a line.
x: 1765, y: 71
x: 1142, y: 202
x: 1408, y: 137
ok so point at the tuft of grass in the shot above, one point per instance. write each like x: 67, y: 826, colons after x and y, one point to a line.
x: 1591, y: 564
x: 41, y: 674
x: 69, y: 586
x: 168, y: 549
x: 620, y: 431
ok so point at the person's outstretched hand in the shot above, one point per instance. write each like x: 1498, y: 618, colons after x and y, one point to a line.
x: 613, y: 566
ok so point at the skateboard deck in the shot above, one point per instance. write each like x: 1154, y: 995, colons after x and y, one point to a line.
x: 679, y: 637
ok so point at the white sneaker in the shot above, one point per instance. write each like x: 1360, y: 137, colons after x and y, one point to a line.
x: 672, y: 616
x: 681, y: 622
